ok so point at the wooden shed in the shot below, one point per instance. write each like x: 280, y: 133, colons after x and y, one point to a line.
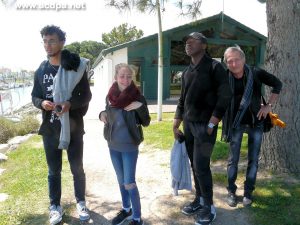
x: 221, y: 32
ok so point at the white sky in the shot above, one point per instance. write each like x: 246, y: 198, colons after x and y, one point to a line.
x: 20, y: 40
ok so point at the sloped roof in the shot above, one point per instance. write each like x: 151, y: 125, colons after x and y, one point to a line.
x: 221, y: 16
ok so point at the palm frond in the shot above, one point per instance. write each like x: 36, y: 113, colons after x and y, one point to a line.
x: 121, y: 5
x: 192, y: 10
x: 146, y: 5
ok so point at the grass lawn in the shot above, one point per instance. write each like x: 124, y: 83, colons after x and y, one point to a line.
x: 25, y: 181
x: 277, y: 201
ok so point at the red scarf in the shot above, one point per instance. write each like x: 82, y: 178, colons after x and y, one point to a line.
x: 122, y: 99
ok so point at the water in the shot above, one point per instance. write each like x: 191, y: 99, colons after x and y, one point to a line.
x: 15, y: 98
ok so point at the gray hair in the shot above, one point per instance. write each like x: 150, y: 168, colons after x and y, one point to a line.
x: 122, y: 65
x: 235, y: 48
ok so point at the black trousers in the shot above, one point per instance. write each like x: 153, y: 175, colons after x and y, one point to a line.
x: 54, y: 162
x: 199, y: 147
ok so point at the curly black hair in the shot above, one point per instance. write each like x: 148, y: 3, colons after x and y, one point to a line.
x: 51, y: 29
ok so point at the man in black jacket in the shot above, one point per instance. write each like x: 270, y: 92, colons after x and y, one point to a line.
x: 205, y: 95
x: 76, y: 106
x: 245, y: 115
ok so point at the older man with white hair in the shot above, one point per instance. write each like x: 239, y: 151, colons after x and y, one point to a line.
x: 245, y: 114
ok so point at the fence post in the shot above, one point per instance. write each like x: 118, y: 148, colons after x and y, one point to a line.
x: 144, y: 83
x: 1, y: 104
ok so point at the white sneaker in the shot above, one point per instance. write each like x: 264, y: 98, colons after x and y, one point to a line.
x: 55, y: 214
x: 82, y: 211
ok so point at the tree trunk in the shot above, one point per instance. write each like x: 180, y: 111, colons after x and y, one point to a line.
x: 281, y: 147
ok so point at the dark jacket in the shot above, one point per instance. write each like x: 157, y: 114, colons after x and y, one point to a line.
x: 81, y: 96
x: 260, y: 77
x: 205, y: 91
x: 134, y: 120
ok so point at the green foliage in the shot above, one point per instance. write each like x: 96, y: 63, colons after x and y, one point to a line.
x: 74, y: 47
x: 28, y: 124
x: 9, y: 129
x: 25, y: 182
x: 87, y: 49
x: 187, y: 8
x: 121, y: 34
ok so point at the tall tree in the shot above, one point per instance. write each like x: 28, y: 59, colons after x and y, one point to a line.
x: 192, y: 10
x: 280, y: 151
x: 121, y: 34
x: 87, y: 49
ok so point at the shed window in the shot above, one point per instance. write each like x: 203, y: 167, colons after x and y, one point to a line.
x: 178, y: 56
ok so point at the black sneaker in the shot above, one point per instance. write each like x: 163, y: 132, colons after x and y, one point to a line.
x: 192, y: 207
x: 135, y: 222
x: 206, y: 215
x: 121, y: 217
x: 231, y: 199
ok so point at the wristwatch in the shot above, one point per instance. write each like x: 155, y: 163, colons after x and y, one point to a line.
x: 211, y: 125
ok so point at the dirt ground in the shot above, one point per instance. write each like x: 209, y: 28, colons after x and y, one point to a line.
x: 159, y: 206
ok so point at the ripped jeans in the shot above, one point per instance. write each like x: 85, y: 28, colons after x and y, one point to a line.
x: 125, y: 165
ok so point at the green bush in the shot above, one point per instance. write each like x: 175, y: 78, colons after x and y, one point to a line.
x: 28, y: 124
x: 7, y: 130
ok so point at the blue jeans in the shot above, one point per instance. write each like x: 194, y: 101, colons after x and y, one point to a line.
x: 254, y: 143
x: 54, y: 161
x: 125, y: 166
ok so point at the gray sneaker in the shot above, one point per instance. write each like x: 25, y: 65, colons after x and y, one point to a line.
x: 82, y: 211
x: 247, y: 201
x: 231, y: 199
x: 55, y: 214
